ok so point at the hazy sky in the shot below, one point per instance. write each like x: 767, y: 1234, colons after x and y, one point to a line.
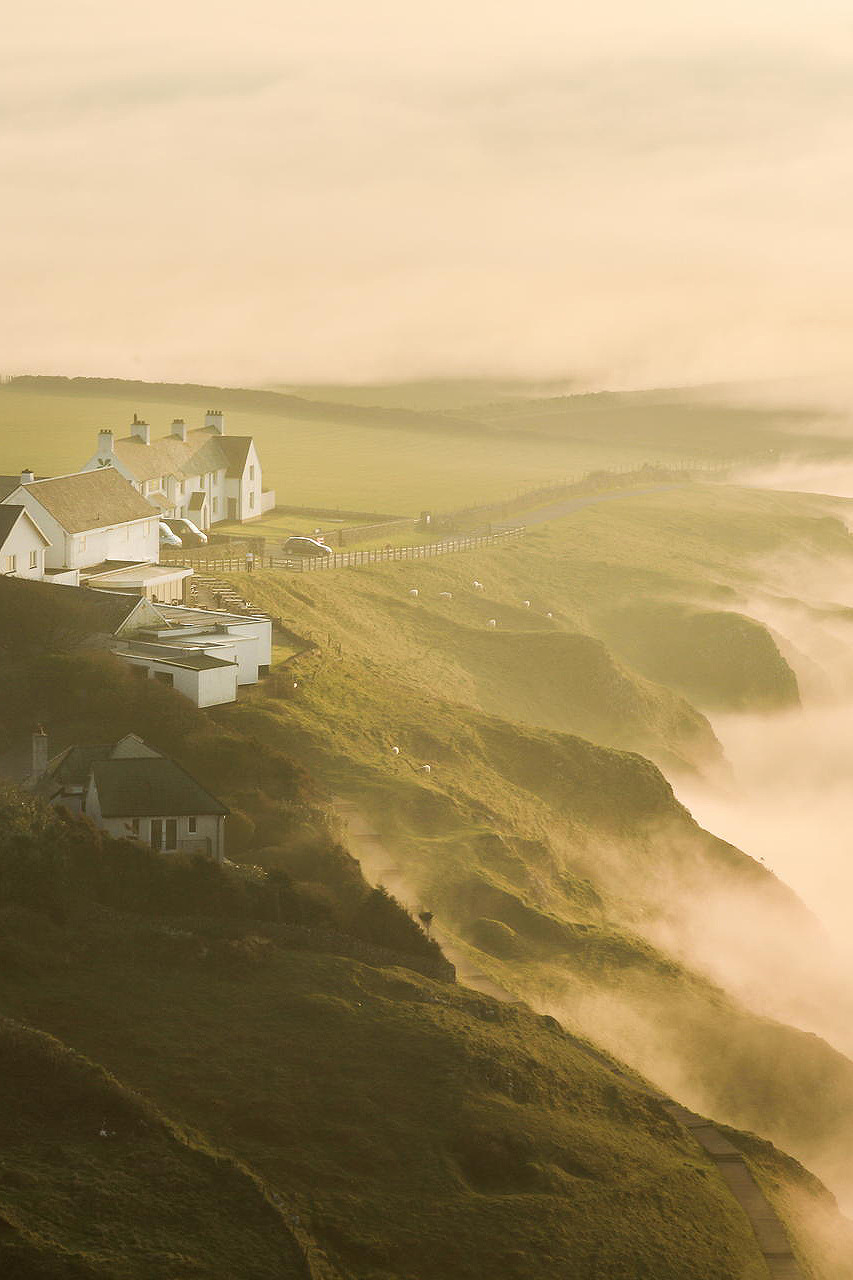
x: 281, y: 190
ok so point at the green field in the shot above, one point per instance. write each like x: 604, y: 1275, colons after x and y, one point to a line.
x: 330, y: 454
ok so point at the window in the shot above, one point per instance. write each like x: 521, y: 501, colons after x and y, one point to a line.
x: 165, y: 677
x: 215, y: 506
x: 192, y: 825
x: 251, y: 473
x: 11, y: 564
x: 81, y: 543
x: 34, y: 559
x: 134, y: 826
x: 251, y: 502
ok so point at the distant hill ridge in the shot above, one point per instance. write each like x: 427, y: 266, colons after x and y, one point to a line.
x: 240, y: 398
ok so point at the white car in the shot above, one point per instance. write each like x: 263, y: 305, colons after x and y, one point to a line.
x: 167, y: 537
x: 189, y: 533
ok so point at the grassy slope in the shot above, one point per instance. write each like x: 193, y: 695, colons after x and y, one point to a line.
x: 145, y: 1201
x: 574, y: 852
x: 415, y: 1129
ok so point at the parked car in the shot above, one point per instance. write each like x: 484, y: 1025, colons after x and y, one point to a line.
x: 306, y: 547
x: 189, y: 533
x: 167, y: 537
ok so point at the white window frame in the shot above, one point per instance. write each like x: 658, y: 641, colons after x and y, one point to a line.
x: 34, y: 559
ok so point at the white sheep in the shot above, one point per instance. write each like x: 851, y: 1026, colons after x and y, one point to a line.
x: 425, y: 768
x: 549, y: 615
x: 493, y: 622
x: 445, y: 595
x: 526, y: 604
x: 414, y: 593
x: 478, y: 586
x: 395, y: 751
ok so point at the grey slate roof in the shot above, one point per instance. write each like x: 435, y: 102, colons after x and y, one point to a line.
x: 91, y: 500
x: 9, y: 516
x: 97, y: 613
x: 72, y: 766
x: 8, y: 484
x: 152, y: 787
x: 10, y: 513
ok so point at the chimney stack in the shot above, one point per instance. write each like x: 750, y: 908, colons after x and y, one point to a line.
x: 105, y: 446
x: 39, y: 752
x: 140, y: 430
x: 27, y: 476
x: 179, y: 429
x: 214, y: 421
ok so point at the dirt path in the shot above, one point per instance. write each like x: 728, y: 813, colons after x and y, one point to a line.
x: 381, y: 867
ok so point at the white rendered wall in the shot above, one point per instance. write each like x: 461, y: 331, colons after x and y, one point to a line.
x: 21, y: 542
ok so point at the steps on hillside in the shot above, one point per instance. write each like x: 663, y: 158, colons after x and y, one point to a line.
x: 210, y: 592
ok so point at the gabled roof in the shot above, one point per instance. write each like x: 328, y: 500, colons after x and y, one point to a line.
x: 8, y: 484
x: 90, y: 500
x: 73, y: 765
x: 27, y: 602
x: 203, y: 450
x: 153, y: 787
x: 171, y: 456
x: 236, y: 450
x: 10, y: 514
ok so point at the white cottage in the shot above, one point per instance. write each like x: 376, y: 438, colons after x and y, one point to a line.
x: 133, y: 792
x: 99, y: 531
x: 22, y: 543
x: 202, y: 474
x: 89, y: 517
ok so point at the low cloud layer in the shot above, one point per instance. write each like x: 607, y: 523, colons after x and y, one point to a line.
x: 336, y: 191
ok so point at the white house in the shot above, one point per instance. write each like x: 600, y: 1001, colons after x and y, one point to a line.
x: 133, y: 792
x: 207, y: 680
x: 201, y: 474
x: 204, y: 654
x: 99, y: 529
x: 90, y: 517
x: 22, y: 543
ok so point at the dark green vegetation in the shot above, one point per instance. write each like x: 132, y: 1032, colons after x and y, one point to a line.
x: 263, y: 1111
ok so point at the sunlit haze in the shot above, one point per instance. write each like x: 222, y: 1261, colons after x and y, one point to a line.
x: 265, y: 192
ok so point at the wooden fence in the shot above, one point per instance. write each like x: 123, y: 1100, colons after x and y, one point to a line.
x: 348, y: 559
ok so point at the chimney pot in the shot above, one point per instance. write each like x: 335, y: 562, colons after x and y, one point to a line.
x: 27, y: 476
